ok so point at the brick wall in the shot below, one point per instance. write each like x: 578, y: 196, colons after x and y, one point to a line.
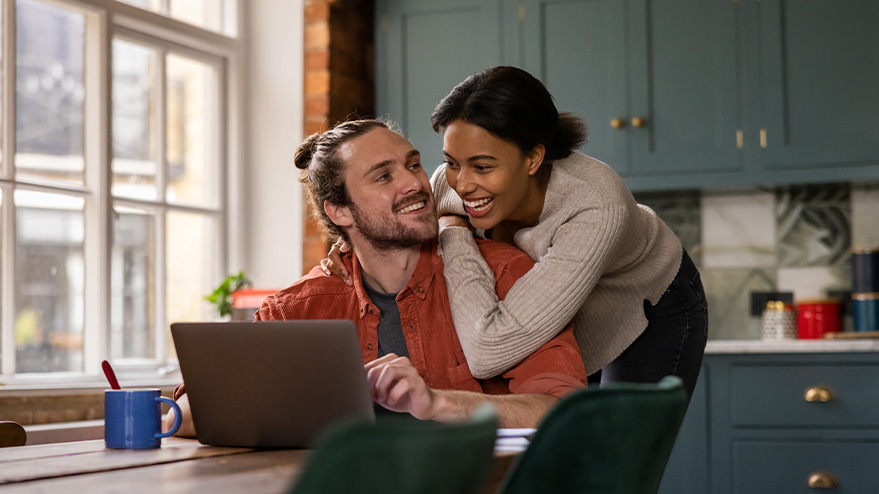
x: 339, y: 82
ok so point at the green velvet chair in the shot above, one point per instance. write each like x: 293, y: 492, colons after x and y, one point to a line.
x: 402, y: 456
x: 616, y: 439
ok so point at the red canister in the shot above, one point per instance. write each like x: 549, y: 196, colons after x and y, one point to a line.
x: 817, y: 317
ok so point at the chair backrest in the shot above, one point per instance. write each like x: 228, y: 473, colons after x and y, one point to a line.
x: 402, y: 456
x: 12, y: 434
x: 616, y: 439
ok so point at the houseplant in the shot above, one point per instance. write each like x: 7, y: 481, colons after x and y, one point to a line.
x: 221, y: 297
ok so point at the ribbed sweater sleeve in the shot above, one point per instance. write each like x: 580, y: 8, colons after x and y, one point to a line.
x: 447, y: 200
x: 494, y: 334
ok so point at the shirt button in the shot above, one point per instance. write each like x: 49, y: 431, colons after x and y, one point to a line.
x: 369, y: 346
x: 421, y: 290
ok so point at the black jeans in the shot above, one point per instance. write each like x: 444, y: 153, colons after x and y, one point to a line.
x: 673, y: 342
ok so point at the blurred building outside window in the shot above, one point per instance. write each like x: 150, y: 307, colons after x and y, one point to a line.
x: 93, y: 271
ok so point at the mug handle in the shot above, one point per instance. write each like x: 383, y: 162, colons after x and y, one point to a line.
x: 178, y: 417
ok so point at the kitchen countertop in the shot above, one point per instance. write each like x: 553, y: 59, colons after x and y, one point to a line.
x: 791, y: 346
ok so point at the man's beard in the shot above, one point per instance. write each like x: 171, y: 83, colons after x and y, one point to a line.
x: 384, y: 233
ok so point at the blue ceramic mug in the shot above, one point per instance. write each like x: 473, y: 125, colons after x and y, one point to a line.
x: 133, y: 418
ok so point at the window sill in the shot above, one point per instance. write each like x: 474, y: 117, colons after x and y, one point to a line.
x: 62, y: 432
x: 41, y: 387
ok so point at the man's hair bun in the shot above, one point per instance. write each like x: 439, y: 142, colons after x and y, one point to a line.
x: 305, y: 151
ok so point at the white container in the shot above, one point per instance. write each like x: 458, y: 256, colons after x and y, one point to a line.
x: 779, y: 321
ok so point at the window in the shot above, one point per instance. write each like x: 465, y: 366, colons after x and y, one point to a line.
x: 114, y: 153
x: 215, y: 15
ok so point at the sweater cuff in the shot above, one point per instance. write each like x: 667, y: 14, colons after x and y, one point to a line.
x: 457, y: 241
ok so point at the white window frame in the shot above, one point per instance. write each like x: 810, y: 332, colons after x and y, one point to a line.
x: 106, y: 20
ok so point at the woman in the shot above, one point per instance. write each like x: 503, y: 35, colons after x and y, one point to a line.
x: 602, y: 260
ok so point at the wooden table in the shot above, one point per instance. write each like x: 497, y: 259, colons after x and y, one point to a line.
x: 180, y: 465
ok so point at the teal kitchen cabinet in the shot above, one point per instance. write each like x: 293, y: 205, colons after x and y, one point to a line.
x: 423, y: 49
x: 656, y: 82
x: 696, y: 93
x: 780, y: 422
x: 688, y: 468
x: 819, y: 88
x: 676, y: 93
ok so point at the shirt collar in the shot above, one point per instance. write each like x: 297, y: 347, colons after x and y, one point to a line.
x: 419, y: 283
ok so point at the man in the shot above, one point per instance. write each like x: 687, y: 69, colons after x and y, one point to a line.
x: 368, y: 186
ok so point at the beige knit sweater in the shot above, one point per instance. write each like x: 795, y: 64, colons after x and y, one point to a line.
x: 599, y: 255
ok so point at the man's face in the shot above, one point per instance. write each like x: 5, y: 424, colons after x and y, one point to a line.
x: 392, y: 203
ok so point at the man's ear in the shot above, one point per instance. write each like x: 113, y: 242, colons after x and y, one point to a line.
x: 340, y: 215
x: 535, y: 158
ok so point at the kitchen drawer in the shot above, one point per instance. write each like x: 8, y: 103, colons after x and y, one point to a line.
x: 785, y: 467
x: 774, y: 395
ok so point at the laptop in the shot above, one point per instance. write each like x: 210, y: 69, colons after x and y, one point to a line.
x: 271, y: 384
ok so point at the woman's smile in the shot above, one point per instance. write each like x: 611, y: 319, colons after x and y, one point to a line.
x: 478, y: 207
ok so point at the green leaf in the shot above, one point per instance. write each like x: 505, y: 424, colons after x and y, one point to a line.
x: 221, y: 297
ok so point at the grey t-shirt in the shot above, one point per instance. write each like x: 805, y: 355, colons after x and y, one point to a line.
x: 390, y: 329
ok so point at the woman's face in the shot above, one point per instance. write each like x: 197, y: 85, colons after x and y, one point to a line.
x: 491, y: 175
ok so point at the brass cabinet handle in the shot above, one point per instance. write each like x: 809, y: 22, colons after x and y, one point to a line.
x: 819, y: 394
x: 822, y: 480
x: 617, y: 123
x: 639, y: 122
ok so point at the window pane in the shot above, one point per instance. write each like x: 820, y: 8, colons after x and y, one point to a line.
x: 49, y: 92
x: 191, y: 266
x: 1, y: 93
x: 132, y: 285
x: 49, y: 282
x: 202, y: 13
x: 154, y: 5
x: 191, y: 132
x: 2, y: 254
x: 134, y: 130
x: 215, y: 15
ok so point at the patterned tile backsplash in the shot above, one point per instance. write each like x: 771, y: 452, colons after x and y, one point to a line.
x: 791, y: 239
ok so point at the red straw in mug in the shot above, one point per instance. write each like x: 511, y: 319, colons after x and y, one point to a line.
x: 111, y: 376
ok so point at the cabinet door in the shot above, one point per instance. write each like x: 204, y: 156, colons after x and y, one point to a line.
x: 819, y: 62
x: 683, y: 65
x: 687, y: 468
x: 673, y: 64
x: 423, y: 49
x: 577, y: 48
x: 791, y: 466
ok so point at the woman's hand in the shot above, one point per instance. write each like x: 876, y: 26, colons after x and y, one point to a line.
x: 333, y: 264
x: 452, y: 221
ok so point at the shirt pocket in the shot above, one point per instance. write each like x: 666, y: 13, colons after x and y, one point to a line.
x: 460, y: 378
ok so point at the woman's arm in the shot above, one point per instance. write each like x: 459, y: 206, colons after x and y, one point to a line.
x: 496, y: 334
x: 447, y: 200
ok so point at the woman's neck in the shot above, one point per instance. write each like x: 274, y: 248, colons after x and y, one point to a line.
x: 526, y: 216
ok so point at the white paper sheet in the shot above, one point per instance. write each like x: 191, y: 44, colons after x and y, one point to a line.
x: 513, y: 440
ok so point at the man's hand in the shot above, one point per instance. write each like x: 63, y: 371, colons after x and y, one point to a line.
x: 187, y: 428
x: 396, y: 385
